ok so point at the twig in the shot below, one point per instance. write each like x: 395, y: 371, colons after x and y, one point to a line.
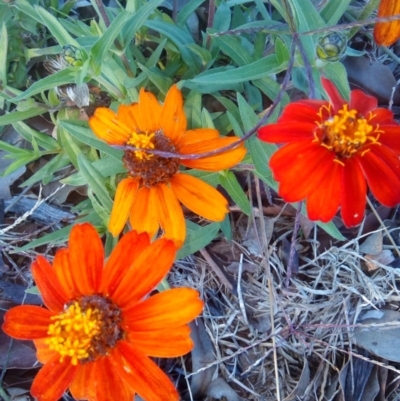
x: 239, y: 291
x: 293, y: 244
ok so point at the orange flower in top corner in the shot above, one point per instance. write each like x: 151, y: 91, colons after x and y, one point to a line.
x: 151, y: 193
x: 99, y: 329
x: 386, y: 33
x: 333, y: 151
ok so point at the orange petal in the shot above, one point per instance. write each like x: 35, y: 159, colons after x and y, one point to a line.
x: 173, y: 118
x: 106, y: 126
x: 149, y: 112
x: 146, y: 271
x: 218, y: 162
x: 43, y: 353
x: 127, y: 114
x: 49, y: 286
x: 63, y: 270
x: 144, y: 215
x: 108, y: 384
x: 381, y: 179
x: 199, y: 197
x: 386, y: 33
x: 164, y: 343
x: 323, y: 202
x: 124, y: 197
x: 354, y: 193
x: 168, y: 309
x: 82, y: 386
x: 170, y: 215
x: 27, y: 322
x: 197, y: 135
x: 86, y: 258
x: 53, y: 379
x: 128, y: 248
x: 142, y: 374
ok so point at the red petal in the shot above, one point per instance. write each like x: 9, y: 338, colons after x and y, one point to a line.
x: 391, y: 137
x: 86, y: 258
x: 53, y: 379
x: 108, y: 384
x: 47, y: 281
x: 362, y: 102
x: 43, y: 353
x: 165, y: 343
x: 303, y: 112
x: 27, y: 322
x: 381, y: 116
x: 382, y: 181
x: 354, y: 193
x: 129, y: 247
x: 168, y: 309
x: 142, y: 374
x: 388, y: 156
x: 62, y: 269
x: 82, y: 386
x: 324, y: 201
x: 147, y: 270
x: 287, y: 132
x: 335, y: 97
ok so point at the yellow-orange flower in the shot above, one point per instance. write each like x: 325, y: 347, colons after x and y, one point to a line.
x: 386, y: 33
x: 151, y: 194
x: 99, y: 329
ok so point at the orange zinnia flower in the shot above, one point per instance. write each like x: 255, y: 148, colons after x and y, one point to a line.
x: 334, y: 150
x: 386, y: 33
x: 151, y: 194
x: 98, y: 331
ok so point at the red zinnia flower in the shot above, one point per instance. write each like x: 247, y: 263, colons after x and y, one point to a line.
x: 334, y: 150
x: 98, y: 331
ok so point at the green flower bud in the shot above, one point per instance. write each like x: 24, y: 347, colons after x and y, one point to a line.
x: 331, y: 47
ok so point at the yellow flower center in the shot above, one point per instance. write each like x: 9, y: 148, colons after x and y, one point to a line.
x: 86, y: 329
x: 150, y: 169
x: 144, y: 141
x: 346, y: 132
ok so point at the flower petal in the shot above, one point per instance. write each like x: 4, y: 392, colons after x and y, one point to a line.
x: 86, y: 258
x: 49, y: 286
x: 144, y: 212
x: 63, y: 270
x: 149, y: 112
x: 334, y: 96
x: 170, y: 215
x: 82, y: 386
x: 127, y: 114
x: 142, y: 374
x: 218, y: 162
x: 305, y: 111
x: 173, y: 118
x: 382, y: 181
x: 124, y: 198
x: 105, y: 124
x: 391, y: 137
x: 381, y: 116
x: 324, y: 200
x: 53, y: 379
x: 43, y: 353
x: 108, y: 383
x: 362, y: 102
x: 388, y: 156
x: 197, y: 135
x: 164, y: 343
x: 145, y: 273
x: 168, y: 309
x: 27, y: 322
x: 200, y: 197
x: 354, y: 193
x: 287, y: 132
x: 128, y: 248
x: 386, y: 33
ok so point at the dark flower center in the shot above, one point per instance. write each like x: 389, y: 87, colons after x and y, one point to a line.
x: 86, y: 329
x: 149, y: 168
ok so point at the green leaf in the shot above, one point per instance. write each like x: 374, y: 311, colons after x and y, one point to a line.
x: 86, y: 135
x: 232, y: 47
x: 57, y: 30
x: 211, y: 82
x: 95, y: 181
x: 17, y: 116
x: 333, y: 10
x: 281, y: 51
x: 3, y: 59
x: 43, y: 140
x: 160, y: 81
x: 69, y: 145
x: 188, y: 9
x: 198, y: 239
x: 229, y: 181
x: 332, y: 230
x: 337, y: 73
